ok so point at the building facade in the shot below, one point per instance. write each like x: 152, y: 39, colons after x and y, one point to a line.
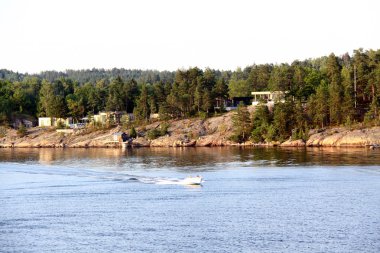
x: 54, y: 122
x: 268, y: 97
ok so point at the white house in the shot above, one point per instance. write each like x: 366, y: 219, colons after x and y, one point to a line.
x: 51, y: 121
x: 103, y: 118
x: 268, y: 97
x: 45, y: 122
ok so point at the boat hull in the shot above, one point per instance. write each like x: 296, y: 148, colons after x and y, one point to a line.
x: 192, y: 181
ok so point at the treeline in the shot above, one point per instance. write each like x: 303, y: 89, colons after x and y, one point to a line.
x: 191, y: 92
x: 94, y: 75
x: 330, y: 90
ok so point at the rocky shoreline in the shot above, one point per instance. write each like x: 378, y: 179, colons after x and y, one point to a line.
x: 194, y: 132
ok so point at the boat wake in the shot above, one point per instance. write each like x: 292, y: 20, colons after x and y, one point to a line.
x: 105, y: 175
x: 170, y: 181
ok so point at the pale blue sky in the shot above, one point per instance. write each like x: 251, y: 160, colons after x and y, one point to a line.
x: 170, y: 34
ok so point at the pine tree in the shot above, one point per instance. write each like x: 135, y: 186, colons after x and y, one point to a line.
x: 198, y: 99
x: 283, y: 119
x: 322, y: 105
x: 261, y: 121
x: 52, y: 102
x: 242, y: 124
x: 206, y: 101
x: 335, y: 102
x: 115, y: 99
x: 130, y: 95
x: 335, y: 89
x: 348, y: 110
x: 142, y: 109
x: 220, y: 89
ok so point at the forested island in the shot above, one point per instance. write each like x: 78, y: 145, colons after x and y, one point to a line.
x: 327, y: 92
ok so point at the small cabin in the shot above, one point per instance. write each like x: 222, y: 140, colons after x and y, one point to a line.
x: 45, y: 122
x: 52, y: 121
x: 103, y: 117
x: 100, y: 118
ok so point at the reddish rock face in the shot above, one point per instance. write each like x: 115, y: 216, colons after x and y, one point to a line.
x: 341, y: 137
x: 213, y: 131
x: 293, y: 143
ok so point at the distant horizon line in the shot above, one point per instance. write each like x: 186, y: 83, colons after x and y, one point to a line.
x: 181, y: 68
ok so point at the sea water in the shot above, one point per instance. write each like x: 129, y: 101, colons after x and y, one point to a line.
x: 252, y: 200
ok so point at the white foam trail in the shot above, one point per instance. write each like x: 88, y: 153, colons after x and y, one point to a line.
x: 96, y: 174
x: 169, y: 181
x: 163, y: 181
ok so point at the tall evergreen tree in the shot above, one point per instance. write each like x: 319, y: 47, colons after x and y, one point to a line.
x: 206, y: 101
x: 322, y: 106
x: 5, y: 101
x: 142, y: 109
x: 348, y: 110
x: 242, y: 124
x: 283, y: 120
x: 220, y: 89
x: 131, y: 93
x: 261, y: 123
x: 116, y: 97
x: 281, y: 78
x: 335, y: 89
x: 52, y: 101
x: 75, y: 106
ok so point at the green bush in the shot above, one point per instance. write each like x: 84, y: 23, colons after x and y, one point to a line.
x: 256, y: 135
x: 270, y: 135
x: 3, y: 119
x: 3, y: 131
x: 348, y: 122
x: 300, y: 134
x: 242, y: 124
x: 203, y: 115
x: 164, y: 128
x: 236, y: 138
x: 21, y: 131
x: 132, y: 133
x: 158, y: 132
x: 60, y: 125
x: 263, y: 133
x: 153, y: 134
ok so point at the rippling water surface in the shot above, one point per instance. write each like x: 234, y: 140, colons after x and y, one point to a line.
x: 252, y: 200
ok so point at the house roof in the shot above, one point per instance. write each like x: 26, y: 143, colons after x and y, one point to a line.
x: 266, y: 92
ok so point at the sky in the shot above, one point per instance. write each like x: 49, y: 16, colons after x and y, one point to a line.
x: 44, y: 35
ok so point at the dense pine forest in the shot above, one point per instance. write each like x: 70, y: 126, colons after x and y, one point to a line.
x: 327, y: 91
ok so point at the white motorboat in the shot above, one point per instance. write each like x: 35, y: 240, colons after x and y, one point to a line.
x: 192, y: 180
